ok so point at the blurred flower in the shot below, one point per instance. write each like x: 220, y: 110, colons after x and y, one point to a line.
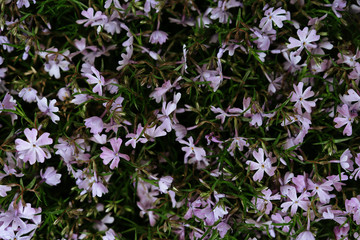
x: 50, y: 176
x: 158, y: 37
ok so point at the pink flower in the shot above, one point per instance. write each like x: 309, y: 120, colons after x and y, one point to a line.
x: 321, y: 190
x: 261, y: 165
x: 98, y: 189
x: 95, y: 124
x: 337, y: 5
x: 263, y: 202
x: 276, y: 17
x: 56, y: 61
x: 342, y: 232
x: 50, y: 109
x: 92, y: 19
x: 239, y: 143
x: 97, y: 79
x: 31, y: 151
x: 50, y: 176
x: 3, y: 190
x: 191, y: 149
x: 135, y: 138
x: 302, y: 201
x: 277, y: 218
x: 158, y: 36
x: 347, y: 118
x: 113, y: 156
x: 306, y: 235
x: 306, y: 38
x: 17, y: 216
x: 292, y: 61
x: 299, y: 97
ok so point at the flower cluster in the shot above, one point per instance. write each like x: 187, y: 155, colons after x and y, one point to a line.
x: 179, y: 119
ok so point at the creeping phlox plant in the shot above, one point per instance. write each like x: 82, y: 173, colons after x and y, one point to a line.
x: 179, y: 119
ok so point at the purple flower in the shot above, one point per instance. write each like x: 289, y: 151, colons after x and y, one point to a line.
x: 56, y: 61
x: 95, y: 124
x: 3, y: 190
x: 306, y: 235
x: 302, y: 201
x: 346, y: 118
x: 28, y: 94
x: 306, y: 37
x: 276, y: 17
x: 63, y: 94
x: 97, y: 79
x: 135, y: 138
x: 113, y: 156
x: 299, y: 97
x: 48, y: 109
x: 98, y: 189
x: 199, y: 152
x: 31, y: 150
x: 337, y: 5
x: 9, y: 103
x: 93, y: 20
x: 50, y: 176
x: 15, y: 216
x: 261, y: 165
x: 158, y: 37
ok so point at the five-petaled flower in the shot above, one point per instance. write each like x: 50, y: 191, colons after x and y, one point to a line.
x: 97, y: 79
x: 346, y: 117
x: 31, y: 150
x: 306, y: 37
x: 113, y: 156
x: 299, y: 98
x: 261, y: 165
x: 191, y: 149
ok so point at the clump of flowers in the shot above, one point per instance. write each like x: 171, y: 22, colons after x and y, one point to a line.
x: 154, y: 119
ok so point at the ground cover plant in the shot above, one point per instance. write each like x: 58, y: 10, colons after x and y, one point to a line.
x: 179, y: 119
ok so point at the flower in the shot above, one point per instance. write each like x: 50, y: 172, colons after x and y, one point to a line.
x: 276, y: 17
x: 299, y: 98
x: 95, y: 124
x: 50, y: 176
x: 261, y: 165
x: 347, y: 117
x: 306, y: 37
x: 15, y: 216
x: 97, y: 79
x: 31, y: 150
x: 56, y: 61
x: 135, y: 138
x: 295, y: 202
x: 28, y: 94
x: 306, y: 235
x: 158, y: 37
x: 3, y: 190
x: 93, y: 20
x: 321, y: 190
x: 48, y: 110
x: 191, y: 149
x: 113, y: 155
x: 337, y: 5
